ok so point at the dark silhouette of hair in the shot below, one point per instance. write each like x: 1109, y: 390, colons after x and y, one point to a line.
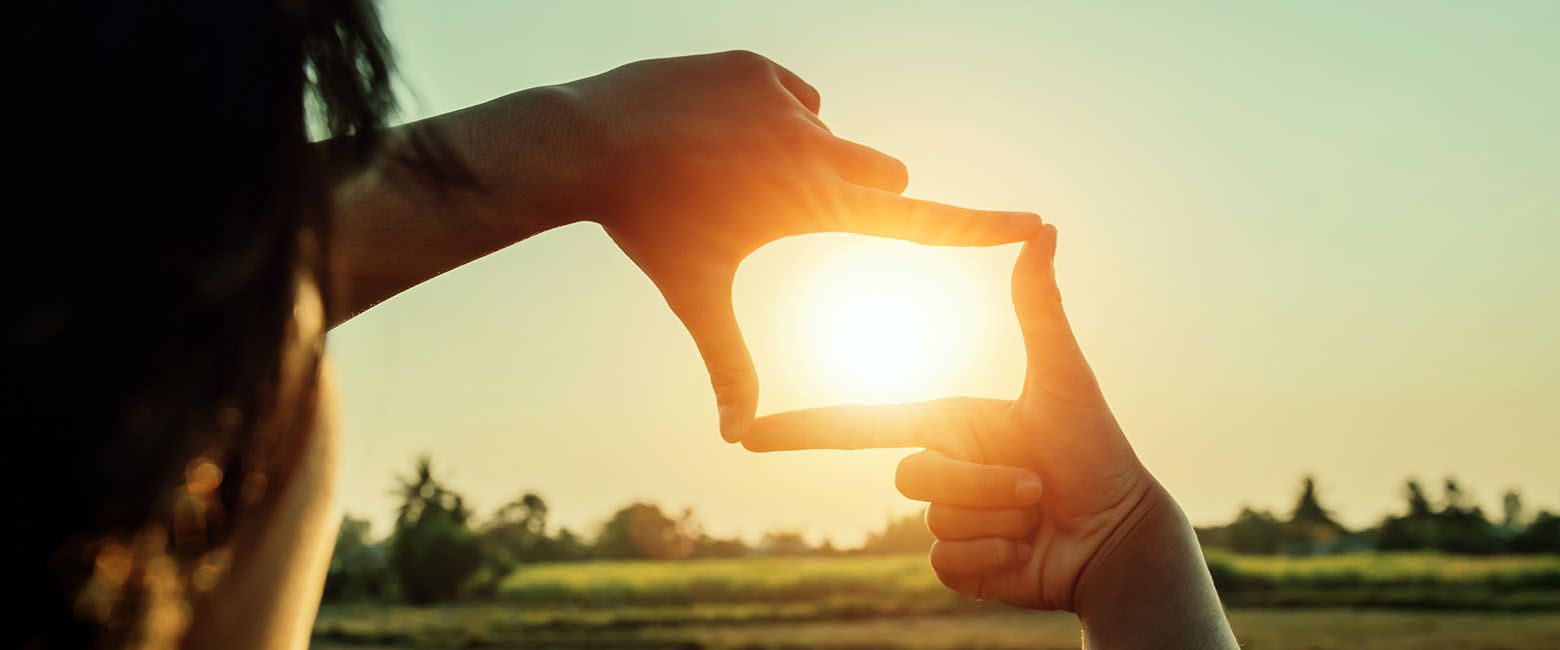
x: 166, y: 229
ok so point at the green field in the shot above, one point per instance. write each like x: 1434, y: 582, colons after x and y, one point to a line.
x: 896, y: 602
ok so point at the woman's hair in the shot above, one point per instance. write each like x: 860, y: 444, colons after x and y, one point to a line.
x: 164, y: 274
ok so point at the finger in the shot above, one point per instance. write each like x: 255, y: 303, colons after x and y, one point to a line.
x: 803, y: 92
x: 707, y: 312
x: 869, y: 167
x: 922, y: 424
x: 1057, y: 367
x: 954, y: 523
x: 870, y: 211
x: 958, y: 561
x: 932, y: 476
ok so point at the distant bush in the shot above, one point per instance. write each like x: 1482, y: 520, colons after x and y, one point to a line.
x: 907, y: 534
x: 1454, y: 525
x: 433, y: 553
x: 1541, y: 536
x: 357, y: 566
x: 643, y: 531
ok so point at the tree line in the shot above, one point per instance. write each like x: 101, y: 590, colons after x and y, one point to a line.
x: 1451, y: 524
x: 438, y: 550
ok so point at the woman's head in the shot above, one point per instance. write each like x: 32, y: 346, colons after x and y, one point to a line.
x: 164, y: 262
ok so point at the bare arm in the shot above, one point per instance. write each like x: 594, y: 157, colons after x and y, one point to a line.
x: 396, y: 227
x: 689, y: 164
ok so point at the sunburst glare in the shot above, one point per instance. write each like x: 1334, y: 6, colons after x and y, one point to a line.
x: 888, y: 322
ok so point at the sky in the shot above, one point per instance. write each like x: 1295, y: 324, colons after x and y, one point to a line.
x: 1295, y: 239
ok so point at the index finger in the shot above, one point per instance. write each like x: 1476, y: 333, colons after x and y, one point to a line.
x: 868, y: 211
x: 803, y: 91
x: 921, y: 424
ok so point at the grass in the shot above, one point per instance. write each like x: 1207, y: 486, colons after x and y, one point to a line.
x: 1258, y: 629
x: 1396, y: 580
x: 881, y: 602
x: 836, y: 584
x: 905, y: 583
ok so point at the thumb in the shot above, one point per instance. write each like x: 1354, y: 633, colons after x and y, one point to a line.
x: 708, y: 314
x: 1057, y: 368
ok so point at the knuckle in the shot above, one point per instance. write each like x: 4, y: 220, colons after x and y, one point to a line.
x: 941, y: 557
x: 937, y: 522
x: 745, y: 60
x: 793, y: 129
x: 1002, y: 552
x: 1032, y: 303
x: 730, y: 378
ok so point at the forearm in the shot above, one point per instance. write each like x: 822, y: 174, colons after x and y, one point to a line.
x: 1153, y: 589
x: 396, y: 225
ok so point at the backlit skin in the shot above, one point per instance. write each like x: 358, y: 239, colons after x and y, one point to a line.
x: 690, y: 164
x: 1040, y: 501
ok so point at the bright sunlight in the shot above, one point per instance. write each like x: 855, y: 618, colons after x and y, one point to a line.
x: 888, y: 322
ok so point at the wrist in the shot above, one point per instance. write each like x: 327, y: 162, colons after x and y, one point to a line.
x: 1150, y: 586
x: 527, y: 156
x: 1134, y: 553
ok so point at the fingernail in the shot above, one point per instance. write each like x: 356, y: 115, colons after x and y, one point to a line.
x: 1027, y: 489
x: 734, y: 422
x: 1048, y: 235
x: 1025, y: 219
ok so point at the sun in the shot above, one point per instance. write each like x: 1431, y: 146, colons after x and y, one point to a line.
x: 888, y: 323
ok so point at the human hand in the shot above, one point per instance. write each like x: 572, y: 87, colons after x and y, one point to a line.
x: 689, y: 163
x: 1039, y: 502
x: 1059, y: 429
x: 694, y: 162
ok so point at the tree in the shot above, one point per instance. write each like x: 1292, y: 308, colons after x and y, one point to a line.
x: 643, y: 531
x: 1457, y: 527
x: 711, y: 547
x: 1311, y: 528
x: 1418, y: 504
x: 517, y: 534
x: 1414, y: 530
x: 907, y: 534
x: 1512, y: 519
x: 785, y: 543
x: 568, y: 547
x: 1461, y: 526
x: 1255, y: 532
x: 433, y: 552
x: 1542, y: 535
x: 357, y: 566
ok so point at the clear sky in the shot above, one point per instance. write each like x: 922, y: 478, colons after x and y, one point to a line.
x: 1294, y: 239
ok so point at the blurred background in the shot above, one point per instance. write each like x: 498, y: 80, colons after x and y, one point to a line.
x: 1309, y: 249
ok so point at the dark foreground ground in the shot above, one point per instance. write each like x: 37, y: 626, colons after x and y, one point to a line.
x: 1258, y: 630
